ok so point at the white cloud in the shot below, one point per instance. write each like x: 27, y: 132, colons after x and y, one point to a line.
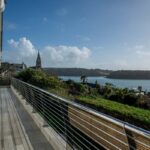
x: 23, y: 47
x: 21, y: 50
x: 139, y: 47
x: 64, y: 55
x: 60, y: 56
x: 142, y: 53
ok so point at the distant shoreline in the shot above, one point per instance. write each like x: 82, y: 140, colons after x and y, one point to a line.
x: 121, y: 74
x: 77, y: 72
x: 128, y: 74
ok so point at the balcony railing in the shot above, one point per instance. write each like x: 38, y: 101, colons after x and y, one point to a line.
x: 80, y: 126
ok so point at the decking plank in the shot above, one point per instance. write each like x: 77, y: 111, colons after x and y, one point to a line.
x: 7, y: 132
x: 17, y: 130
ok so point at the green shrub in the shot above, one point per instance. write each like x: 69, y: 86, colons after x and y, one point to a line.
x: 82, y: 88
x: 130, y: 99
x: 39, y: 78
x: 25, y: 75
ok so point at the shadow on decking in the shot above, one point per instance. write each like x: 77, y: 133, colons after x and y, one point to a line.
x: 37, y: 139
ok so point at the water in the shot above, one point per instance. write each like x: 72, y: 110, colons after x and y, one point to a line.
x: 121, y: 83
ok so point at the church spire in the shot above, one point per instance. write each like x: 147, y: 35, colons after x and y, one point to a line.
x: 38, y: 61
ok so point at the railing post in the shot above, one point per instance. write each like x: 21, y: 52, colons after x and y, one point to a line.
x: 45, y: 124
x: 64, y: 111
x: 32, y: 100
x: 26, y: 96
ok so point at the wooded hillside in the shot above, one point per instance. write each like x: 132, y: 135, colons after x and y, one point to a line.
x: 76, y: 72
x: 128, y: 74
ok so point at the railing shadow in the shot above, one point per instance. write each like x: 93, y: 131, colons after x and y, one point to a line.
x: 130, y: 138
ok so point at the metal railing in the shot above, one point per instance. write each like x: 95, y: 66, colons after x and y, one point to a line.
x: 80, y: 126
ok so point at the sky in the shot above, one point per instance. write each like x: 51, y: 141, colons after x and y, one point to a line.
x: 106, y: 34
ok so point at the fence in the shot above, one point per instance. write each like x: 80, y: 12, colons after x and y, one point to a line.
x: 82, y: 127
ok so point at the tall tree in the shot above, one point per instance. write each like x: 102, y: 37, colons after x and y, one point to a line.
x: 83, y: 78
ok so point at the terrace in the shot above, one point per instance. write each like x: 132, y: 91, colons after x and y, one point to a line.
x: 32, y: 118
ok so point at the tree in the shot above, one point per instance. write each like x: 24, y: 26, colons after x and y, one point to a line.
x: 83, y: 78
x: 97, y: 85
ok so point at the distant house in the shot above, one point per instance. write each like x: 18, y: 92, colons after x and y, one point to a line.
x: 8, y: 69
x: 18, y: 67
x: 137, y: 92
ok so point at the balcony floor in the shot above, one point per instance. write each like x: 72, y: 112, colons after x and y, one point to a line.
x: 17, y: 129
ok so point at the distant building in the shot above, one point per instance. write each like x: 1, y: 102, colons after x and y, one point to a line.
x: 13, y: 66
x: 8, y: 69
x: 24, y: 66
x: 38, y: 61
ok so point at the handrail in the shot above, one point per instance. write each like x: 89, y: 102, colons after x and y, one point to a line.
x: 75, y: 121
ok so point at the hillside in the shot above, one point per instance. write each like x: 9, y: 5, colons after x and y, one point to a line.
x: 76, y: 72
x: 128, y: 74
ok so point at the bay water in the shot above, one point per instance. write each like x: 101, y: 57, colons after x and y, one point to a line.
x: 121, y: 83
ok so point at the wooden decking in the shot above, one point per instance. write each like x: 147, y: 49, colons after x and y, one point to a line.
x: 17, y: 129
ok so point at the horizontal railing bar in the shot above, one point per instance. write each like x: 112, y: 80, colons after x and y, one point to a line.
x: 110, y: 128
x: 58, y: 127
x: 67, y: 121
x: 32, y: 93
x: 94, y: 112
x: 97, y: 121
x: 116, y: 121
x: 63, y: 127
x: 87, y: 123
x: 84, y: 121
x: 86, y: 127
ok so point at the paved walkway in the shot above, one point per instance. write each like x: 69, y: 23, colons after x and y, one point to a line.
x: 17, y: 129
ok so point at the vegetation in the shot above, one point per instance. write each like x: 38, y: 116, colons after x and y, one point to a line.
x: 120, y: 103
x: 39, y: 78
x: 83, y: 78
x: 133, y: 115
x: 123, y: 96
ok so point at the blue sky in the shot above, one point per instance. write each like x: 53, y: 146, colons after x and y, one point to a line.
x: 109, y: 34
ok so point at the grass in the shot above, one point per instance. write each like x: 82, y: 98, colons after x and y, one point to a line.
x: 133, y: 115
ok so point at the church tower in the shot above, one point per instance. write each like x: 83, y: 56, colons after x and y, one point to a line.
x: 38, y: 61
